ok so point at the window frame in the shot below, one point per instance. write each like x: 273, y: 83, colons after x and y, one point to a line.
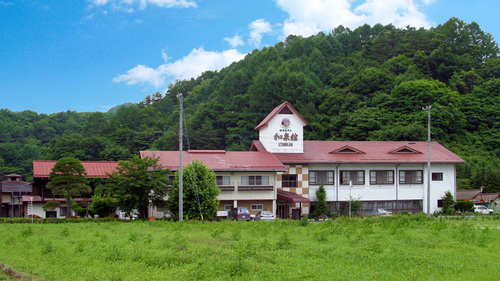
x: 50, y: 214
x: 291, y: 181
x: 223, y: 177
x: 256, y: 207
x: 411, y: 177
x: 390, y: 179
x: 253, y: 180
x: 329, y: 180
x: 63, y: 211
x: 357, y: 182
x: 439, y: 176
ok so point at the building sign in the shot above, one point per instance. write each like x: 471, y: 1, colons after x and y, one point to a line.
x: 285, y: 137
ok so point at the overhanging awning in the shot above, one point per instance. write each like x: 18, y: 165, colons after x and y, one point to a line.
x: 291, y: 197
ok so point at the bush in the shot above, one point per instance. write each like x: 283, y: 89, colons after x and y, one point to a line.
x: 448, y: 203
x: 464, y: 206
x: 103, y: 206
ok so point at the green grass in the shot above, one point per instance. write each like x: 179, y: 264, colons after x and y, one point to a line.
x: 395, y: 248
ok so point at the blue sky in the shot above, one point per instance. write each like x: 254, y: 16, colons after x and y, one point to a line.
x: 91, y: 55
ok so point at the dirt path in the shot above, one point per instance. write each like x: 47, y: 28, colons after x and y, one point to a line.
x: 11, y: 274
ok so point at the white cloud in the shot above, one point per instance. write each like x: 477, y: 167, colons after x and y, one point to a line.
x: 164, y: 55
x: 257, y: 29
x: 190, y: 66
x: 126, y: 4
x: 6, y: 4
x: 141, y: 74
x: 310, y: 17
x: 235, y: 41
x: 99, y: 2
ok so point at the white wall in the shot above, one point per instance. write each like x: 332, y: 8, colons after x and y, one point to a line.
x: 275, y: 128
x: 396, y: 191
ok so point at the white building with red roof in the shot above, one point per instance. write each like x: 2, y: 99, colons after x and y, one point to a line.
x: 245, y: 178
x: 282, y: 171
x: 383, y: 174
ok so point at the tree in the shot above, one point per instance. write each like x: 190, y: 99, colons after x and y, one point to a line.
x: 103, y: 206
x: 200, y: 191
x: 321, y: 206
x: 448, y: 206
x: 138, y: 182
x: 68, y: 178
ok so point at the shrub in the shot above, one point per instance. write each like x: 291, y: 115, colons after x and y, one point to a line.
x: 448, y: 203
x: 464, y: 206
x: 321, y: 206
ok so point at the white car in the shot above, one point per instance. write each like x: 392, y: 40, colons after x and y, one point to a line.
x: 264, y: 216
x: 482, y: 210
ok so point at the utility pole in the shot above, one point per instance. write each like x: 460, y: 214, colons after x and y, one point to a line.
x: 428, y: 108
x: 1, y: 192
x: 181, y: 207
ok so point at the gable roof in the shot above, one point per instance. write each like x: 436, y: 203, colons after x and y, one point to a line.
x: 219, y: 160
x: 284, y: 106
x: 375, y: 152
x: 16, y: 186
x: 406, y: 149
x: 94, y: 169
x: 347, y: 149
x: 467, y: 194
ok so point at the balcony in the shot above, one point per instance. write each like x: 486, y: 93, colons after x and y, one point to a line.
x: 255, y: 188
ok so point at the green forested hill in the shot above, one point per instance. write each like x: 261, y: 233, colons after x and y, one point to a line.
x: 364, y: 84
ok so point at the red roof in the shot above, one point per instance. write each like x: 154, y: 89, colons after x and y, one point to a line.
x: 276, y: 111
x: 291, y: 197
x: 219, y: 160
x: 367, y: 152
x: 94, y: 169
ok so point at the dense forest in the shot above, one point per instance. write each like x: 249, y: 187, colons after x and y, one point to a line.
x: 364, y: 84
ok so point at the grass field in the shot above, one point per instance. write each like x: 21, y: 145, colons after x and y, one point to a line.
x: 395, y: 248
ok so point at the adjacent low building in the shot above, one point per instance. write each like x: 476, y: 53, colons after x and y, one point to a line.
x: 246, y: 179
x: 12, y: 191
x: 41, y: 194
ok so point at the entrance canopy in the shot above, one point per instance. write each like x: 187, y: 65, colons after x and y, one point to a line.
x: 291, y: 197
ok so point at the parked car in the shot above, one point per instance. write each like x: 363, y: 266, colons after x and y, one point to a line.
x: 239, y: 213
x: 482, y: 210
x: 265, y: 216
x: 381, y: 212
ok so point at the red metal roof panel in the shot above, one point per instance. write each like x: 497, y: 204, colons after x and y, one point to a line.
x: 218, y: 160
x: 374, y: 152
x: 94, y: 169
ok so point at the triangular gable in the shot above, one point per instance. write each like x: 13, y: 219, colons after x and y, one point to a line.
x: 405, y: 149
x: 284, y: 108
x: 348, y: 149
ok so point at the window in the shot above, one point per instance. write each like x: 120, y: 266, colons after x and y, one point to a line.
x: 288, y: 180
x: 321, y: 177
x: 357, y: 177
x: 63, y: 211
x: 228, y: 207
x: 50, y: 214
x: 440, y: 203
x: 257, y: 207
x: 223, y: 180
x: 255, y: 180
x: 408, y: 177
x: 381, y: 177
x: 437, y: 176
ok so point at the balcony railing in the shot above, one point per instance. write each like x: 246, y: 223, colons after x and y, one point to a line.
x: 255, y: 188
